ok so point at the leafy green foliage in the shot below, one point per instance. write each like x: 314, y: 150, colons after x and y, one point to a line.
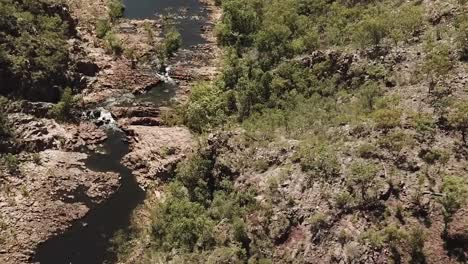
x: 33, y: 59
x: 387, y: 118
x: 207, y: 107
x: 320, y: 160
x: 172, y: 41
x: 116, y: 9
x: 102, y: 27
x: 455, y: 190
x: 113, y: 43
x: 364, y: 177
x: 181, y: 224
x: 61, y: 110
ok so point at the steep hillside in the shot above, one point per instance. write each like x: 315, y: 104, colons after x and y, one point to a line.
x: 335, y: 133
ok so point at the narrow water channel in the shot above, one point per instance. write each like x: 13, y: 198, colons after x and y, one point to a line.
x: 88, y: 240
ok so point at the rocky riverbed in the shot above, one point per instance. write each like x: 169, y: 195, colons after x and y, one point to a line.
x: 53, y: 189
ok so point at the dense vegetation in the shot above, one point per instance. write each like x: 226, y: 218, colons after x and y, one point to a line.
x: 33, y: 49
x: 321, y: 73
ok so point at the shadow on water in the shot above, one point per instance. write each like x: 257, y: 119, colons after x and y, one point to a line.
x: 189, y: 15
x: 88, y: 240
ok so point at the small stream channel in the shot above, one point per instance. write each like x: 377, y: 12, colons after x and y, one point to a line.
x: 88, y: 240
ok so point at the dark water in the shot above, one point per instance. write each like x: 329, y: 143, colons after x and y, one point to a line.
x: 88, y: 240
x: 189, y: 16
x: 159, y: 95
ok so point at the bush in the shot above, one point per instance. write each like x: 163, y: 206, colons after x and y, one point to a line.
x: 455, y: 192
x: 181, y: 225
x: 363, y: 176
x: 206, y: 108
x: 34, y: 50
x: 113, y: 43
x: 103, y: 26
x: 407, y: 20
x: 317, y: 222
x: 61, y: 110
x: 116, y: 9
x: 194, y: 173
x: 395, y: 141
x: 368, y: 95
x: 457, y: 117
x: 387, y: 118
x: 438, y: 61
x: 320, y: 160
x: 172, y: 42
x: 11, y: 162
x: 371, y: 30
x: 367, y: 150
x: 416, y: 243
x: 5, y: 130
x: 462, y: 36
x: 344, y: 200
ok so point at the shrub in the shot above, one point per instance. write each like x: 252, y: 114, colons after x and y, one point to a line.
x: 319, y: 159
x: 61, y: 110
x: 172, y: 41
x: 180, y: 224
x: 317, y: 222
x: 368, y: 94
x: 5, y: 130
x: 194, y: 173
x: 371, y: 30
x: 424, y: 124
x: 102, y: 27
x: 416, y: 243
x: 116, y: 9
x: 113, y: 43
x: 395, y: 141
x: 11, y: 162
x: 438, y: 61
x: 458, y: 118
x: 367, y: 150
x: 343, y: 200
x: 206, y: 108
x: 455, y: 192
x: 407, y: 20
x: 364, y: 176
x: 462, y: 36
x: 227, y: 255
x: 387, y: 118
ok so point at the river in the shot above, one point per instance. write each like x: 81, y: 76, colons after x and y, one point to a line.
x: 88, y: 240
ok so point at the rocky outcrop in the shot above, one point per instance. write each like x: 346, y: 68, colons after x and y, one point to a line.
x: 44, y: 197
x: 155, y: 151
